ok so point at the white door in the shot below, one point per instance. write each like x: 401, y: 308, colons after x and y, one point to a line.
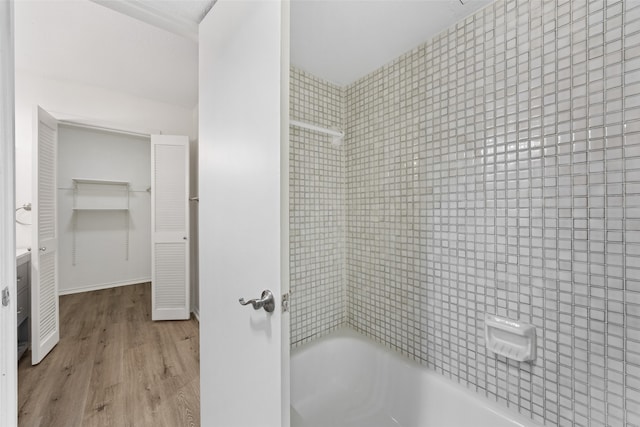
x: 8, y: 339
x: 45, y: 326
x: 170, y: 298
x: 243, y: 170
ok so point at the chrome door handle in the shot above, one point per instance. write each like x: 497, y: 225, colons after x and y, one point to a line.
x: 44, y: 248
x: 266, y: 301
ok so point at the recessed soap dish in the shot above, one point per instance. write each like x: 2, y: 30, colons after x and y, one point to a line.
x: 510, y: 338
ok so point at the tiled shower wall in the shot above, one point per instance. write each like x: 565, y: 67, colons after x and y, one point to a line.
x: 496, y: 169
x: 317, y: 210
x: 386, y: 215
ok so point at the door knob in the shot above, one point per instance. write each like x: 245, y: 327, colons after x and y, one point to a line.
x: 44, y: 248
x: 266, y: 301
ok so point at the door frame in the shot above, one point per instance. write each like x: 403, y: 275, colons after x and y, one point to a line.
x: 8, y: 319
x: 285, y: 270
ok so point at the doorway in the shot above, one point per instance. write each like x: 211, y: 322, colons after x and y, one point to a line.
x: 86, y: 102
x: 108, y: 202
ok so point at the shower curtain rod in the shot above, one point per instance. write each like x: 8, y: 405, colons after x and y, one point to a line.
x: 313, y: 127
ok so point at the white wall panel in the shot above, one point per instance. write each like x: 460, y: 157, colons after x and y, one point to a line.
x: 108, y: 250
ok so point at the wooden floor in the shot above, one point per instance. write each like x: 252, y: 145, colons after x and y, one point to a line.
x: 114, y: 366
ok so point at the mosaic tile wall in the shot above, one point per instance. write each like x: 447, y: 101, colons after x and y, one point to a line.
x: 386, y: 188
x: 317, y: 210
x: 496, y: 169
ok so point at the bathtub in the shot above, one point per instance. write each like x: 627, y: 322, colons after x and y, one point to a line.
x: 346, y: 380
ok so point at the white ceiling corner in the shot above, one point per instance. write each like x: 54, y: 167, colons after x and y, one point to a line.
x: 337, y: 40
x: 343, y: 40
x: 180, y: 17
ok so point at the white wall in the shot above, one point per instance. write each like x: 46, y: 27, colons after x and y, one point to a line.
x: 73, y: 101
x: 109, y: 252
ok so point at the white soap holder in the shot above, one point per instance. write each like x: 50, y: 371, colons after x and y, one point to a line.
x: 510, y: 338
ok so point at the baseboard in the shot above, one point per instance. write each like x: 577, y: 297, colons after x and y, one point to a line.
x: 196, y: 313
x: 103, y: 286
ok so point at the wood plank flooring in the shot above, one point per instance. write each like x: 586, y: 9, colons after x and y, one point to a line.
x: 114, y: 366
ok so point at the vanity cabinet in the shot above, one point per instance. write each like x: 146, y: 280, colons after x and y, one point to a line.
x: 23, y: 277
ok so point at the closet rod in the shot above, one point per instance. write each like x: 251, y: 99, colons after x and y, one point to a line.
x: 102, y: 128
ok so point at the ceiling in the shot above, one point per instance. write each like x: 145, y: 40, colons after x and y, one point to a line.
x: 84, y: 42
x: 148, y: 48
x: 343, y: 40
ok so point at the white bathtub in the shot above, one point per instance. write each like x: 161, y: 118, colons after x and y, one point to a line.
x: 347, y: 380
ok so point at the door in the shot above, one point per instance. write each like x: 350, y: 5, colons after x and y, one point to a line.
x: 8, y: 338
x: 243, y: 174
x: 170, y: 227
x: 45, y: 327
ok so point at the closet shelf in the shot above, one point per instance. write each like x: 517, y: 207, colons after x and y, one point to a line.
x: 99, y: 181
x: 100, y: 195
x: 100, y: 209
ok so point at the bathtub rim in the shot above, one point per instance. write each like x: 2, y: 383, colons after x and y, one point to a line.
x: 346, y: 331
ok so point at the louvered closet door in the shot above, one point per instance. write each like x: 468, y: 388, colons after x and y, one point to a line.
x: 170, y: 227
x: 45, y: 324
